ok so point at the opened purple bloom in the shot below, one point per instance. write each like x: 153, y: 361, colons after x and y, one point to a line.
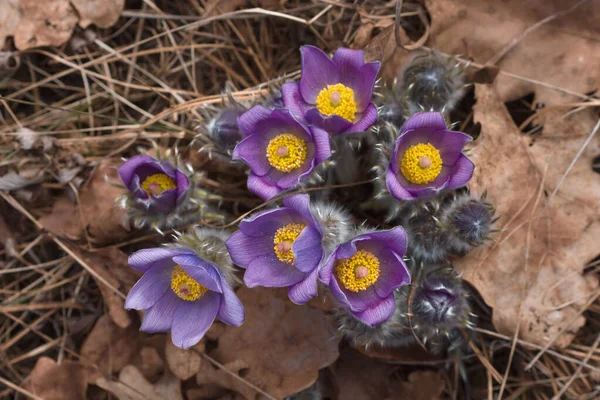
x: 158, y: 185
x: 427, y: 158
x: 279, y: 150
x: 280, y: 248
x: 334, y: 94
x: 182, y: 293
x: 363, y: 273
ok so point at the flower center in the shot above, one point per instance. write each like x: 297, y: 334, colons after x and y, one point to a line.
x: 286, y: 152
x: 158, y: 183
x: 358, y: 272
x: 185, y: 287
x: 421, y: 163
x: 284, y: 239
x: 337, y: 100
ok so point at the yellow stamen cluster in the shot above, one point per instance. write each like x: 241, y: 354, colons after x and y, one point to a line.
x: 158, y: 183
x: 421, y: 163
x: 284, y: 239
x: 358, y: 272
x: 185, y: 287
x: 286, y: 152
x: 337, y: 100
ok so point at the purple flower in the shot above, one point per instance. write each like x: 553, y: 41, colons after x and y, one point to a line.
x: 363, y: 273
x: 157, y: 185
x: 280, y: 248
x: 183, y: 293
x: 427, y: 158
x: 279, y: 150
x: 334, y: 94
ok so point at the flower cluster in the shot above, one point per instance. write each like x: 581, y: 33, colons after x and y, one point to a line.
x: 319, y: 242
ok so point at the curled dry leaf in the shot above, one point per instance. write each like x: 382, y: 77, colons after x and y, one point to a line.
x: 14, y: 181
x: 10, y: 16
x: 532, y: 275
x: 283, y: 344
x: 133, y: 386
x: 44, y: 23
x: 102, y: 13
x: 149, y: 363
x: 51, y: 381
x: 421, y: 385
x: 109, y: 348
x: 64, y: 219
x: 184, y: 363
x: 208, y: 377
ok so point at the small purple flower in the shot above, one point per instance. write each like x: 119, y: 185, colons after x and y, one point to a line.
x: 363, y: 273
x: 183, y: 293
x: 279, y: 150
x: 158, y: 185
x: 280, y: 248
x: 334, y: 94
x: 427, y: 158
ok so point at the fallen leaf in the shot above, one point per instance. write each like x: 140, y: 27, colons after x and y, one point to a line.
x: 102, y: 13
x: 184, y: 363
x: 47, y: 23
x: 209, y: 376
x: 63, y: 220
x: 14, y: 181
x: 133, y: 386
x: 10, y: 16
x: 532, y: 276
x: 109, y: 348
x: 413, y: 353
x: 149, y: 363
x: 283, y: 344
x: 103, y: 219
x: 421, y: 385
x: 51, y: 381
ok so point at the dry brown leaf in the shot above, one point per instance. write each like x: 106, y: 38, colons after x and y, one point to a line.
x: 209, y: 376
x: 421, y: 385
x: 102, y: 218
x: 413, y: 353
x: 51, y: 381
x: 564, y: 52
x: 111, y: 264
x: 283, y: 344
x: 149, y: 363
x: 102, y: 13
x: 532, y: 275
x: 133, y: 386
x: 63, y: 220
x: 184, y: 363
x: 108, y: 348
x: 9, y: 19
x: 44, y: 23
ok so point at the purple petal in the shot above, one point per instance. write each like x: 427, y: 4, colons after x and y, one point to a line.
x: 367, y: 119
x: 449, y: 144
x: 322, y: 143
x: 257, y: 186
x: 193, y: 318
x: 159, y: 317
x: 424, y: 120
x: 270, y: 272
x: 379, y: 313
x: 164, y: 203
x: 332, y: 124
x: 231, y: 310
x: 291, y: 179
x: 253, y: 151
x: 299, y: 203
x: 394, y: 186
x: 142, y: 260
x: 267, y: 222
x: 394, y: 239
x: 303, y: 291
x: 326, y: 270
x: 363, y: 89
x: 318, y: 71
x: 292, y: 100
x: 183, y: 183
x: 201, y: 271
x: 461, y: 173
x: 358, y: 301
x: 128, y: 168
x: 243, y: 248
x: 349, y: 63
x: 248, y: 120
x: 151, y: 286
x: 392, y: 273
x: 357, y: 75
x: 307, y: 250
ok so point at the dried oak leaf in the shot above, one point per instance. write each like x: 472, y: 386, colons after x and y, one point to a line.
x: 283, y: 344
x: 108, y: 348
x: 211, y: 379
x: 44, y: 23
x: 102, y: 218
x: 133, y: 386
x: 10, y: 16
x: 149, y: 362
x: 102, y: 13
x: 184, y: 363
x: 51, y: 381
x: 532, y: 275
x: 421, y: 385
x: 63, y: 220
x: 564, y: 52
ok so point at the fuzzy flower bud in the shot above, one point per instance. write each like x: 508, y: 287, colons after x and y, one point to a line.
x: 224, y: 129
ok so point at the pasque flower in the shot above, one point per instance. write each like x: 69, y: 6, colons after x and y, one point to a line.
x: 363, y: 273
x: 279, y: 150
x: 280, y: 248
x: 155, y: 185
x: 427, y: 158
x: 184, y: 289
x: 334, y: 94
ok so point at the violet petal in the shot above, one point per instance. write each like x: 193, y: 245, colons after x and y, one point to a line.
x: 318, y: 71
x: 231, y: 310
x: 192, y: 319
x: 270, y: 272
x: 301, y: 292
x: 151, y: 286
x: 378, y: 313
x: 159, y: 317
x: 201, y: 271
